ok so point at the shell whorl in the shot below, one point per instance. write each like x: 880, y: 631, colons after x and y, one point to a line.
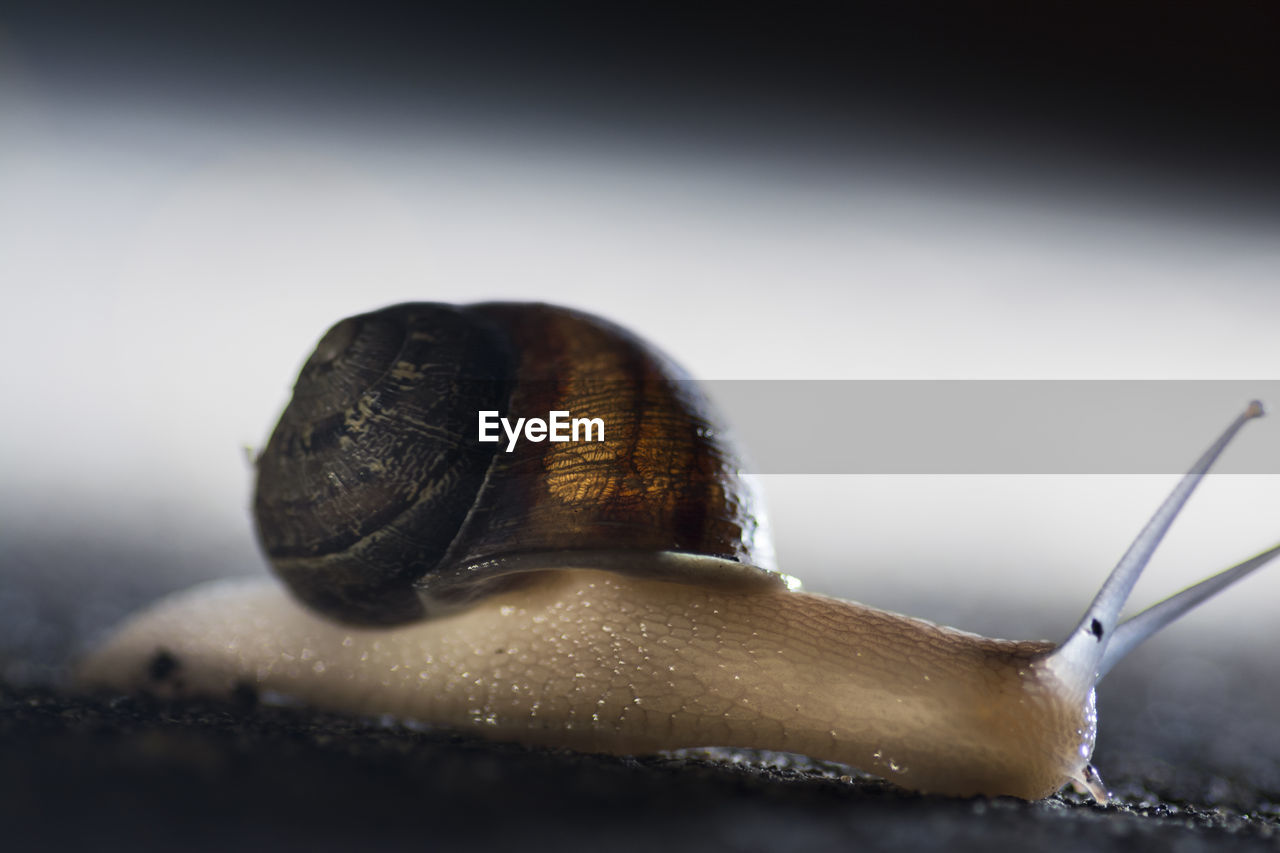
x: 376, y: 502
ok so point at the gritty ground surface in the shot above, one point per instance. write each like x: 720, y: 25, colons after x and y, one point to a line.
x: 82, y: 773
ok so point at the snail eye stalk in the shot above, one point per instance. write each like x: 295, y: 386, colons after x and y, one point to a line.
x: 1100, y: 640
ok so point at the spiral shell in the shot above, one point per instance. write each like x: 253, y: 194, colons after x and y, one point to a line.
x: 377, y: 503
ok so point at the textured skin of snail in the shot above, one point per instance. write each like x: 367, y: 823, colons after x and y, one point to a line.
x: 616, y: 598
x: 605, y: 662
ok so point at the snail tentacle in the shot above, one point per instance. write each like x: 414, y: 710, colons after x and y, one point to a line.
x: 1079, y: 661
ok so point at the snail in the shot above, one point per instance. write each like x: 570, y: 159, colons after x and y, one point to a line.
x: 612, y: 595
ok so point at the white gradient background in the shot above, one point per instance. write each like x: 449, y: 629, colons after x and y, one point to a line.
x: 167, y: 264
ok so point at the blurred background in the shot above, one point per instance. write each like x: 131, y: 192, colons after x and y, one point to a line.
x: 191, y: 193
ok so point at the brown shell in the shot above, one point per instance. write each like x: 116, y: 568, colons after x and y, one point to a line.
x: 377, y: 503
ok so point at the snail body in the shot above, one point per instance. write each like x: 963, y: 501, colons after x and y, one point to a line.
x: 617, y: 597
x: 605, y: 662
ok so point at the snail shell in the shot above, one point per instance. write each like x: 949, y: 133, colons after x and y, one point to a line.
x: 376, y: 502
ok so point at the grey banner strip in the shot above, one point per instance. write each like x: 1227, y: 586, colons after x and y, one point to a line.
x: 995, y: 427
